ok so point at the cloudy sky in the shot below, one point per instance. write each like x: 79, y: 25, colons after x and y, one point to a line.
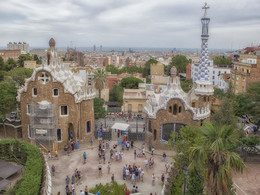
x: 129, y: 23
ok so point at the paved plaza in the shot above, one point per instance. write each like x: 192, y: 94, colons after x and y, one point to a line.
x: 248, y: 183
x: 89, y: 171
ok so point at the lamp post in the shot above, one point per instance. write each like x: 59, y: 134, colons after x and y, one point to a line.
x: 136, y: 124
x: 185, y: 170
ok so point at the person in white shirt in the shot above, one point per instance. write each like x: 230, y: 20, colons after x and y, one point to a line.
x: 145, y: 163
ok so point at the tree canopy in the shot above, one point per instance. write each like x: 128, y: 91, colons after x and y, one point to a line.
x: 22, y: 58
x: 116, y: 94
x: 221, y: 60
x: 147, y: 69
x: 100, y: 78
x: 99, y: 109
x: 19, y: 74
x: 130, y: 82
x: 186, y: 85
x: 180, y: 62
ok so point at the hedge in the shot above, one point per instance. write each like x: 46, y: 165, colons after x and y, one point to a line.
x: 29, y: 156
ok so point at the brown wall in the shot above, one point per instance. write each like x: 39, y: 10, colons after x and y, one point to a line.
x: 78, y: 113
x: 164, y: 116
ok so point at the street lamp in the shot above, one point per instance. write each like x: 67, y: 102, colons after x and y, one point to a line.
x: 136, y: 124
x: 185, y: 170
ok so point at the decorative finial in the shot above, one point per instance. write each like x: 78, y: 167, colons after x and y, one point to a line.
x: 205, y: 7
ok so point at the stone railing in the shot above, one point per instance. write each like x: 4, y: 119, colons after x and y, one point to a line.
x: 46, y: 187
x: 172, y: 174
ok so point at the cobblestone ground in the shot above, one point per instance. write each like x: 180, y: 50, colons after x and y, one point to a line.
x: 248, y: 183
x: 89, y: 171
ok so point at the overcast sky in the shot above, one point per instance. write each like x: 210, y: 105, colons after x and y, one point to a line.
x: 129, y: 23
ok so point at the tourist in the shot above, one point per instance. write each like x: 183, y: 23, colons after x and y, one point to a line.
x: 97, y: 193
x: 112, y: 177
x: 120, y: 155
x: 167, y: 167
x: 82, y: 193
x: 145, y: 163
x: 108, y: 168
x: 67, y: 180
x: 153, y: 179
x: 73, y: 179
x: 91, y: 141
x: 164, y: 157
x: 100, y: 169
x: 118, y: 133
x: 72, y: 187
x: 143, y: 151
x: 133, y: 178
x: 84, y: 157
x: 104, y: 158
x: 86, y: 190
x: 133, y: 188
x: 135, y: 154
x: 136, y: 189
x: 162, y: 178
x: 127, y: 192
x: 132, y: 144
x: 67, y: 188
x: 142, y: 175
x: 53, y: 170
x: 124, y: 173
x: 152, y: 151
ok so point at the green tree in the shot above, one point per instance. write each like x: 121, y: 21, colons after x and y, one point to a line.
x: 22, y: 58
x: 99, y: 109
x: 180, y: 62
x: 219, y: 93
x: 243, y: 104
x: 130, y: 82
x: 7, y: 97
x: 147, y: 69
x: 254, y: 95
x: 37, y: 59
x: 112, y: 69
x: 1, y: 63
x: 10, y: 64
x: 221, y: 60
x: 100, y: 78
x: 20, y: 74
x: 186, y: 85
x: 213, y: 153
x: 116, y: 94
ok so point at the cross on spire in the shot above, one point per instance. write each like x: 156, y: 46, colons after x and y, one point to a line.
x: 205, y: 7
x: 45, y: 78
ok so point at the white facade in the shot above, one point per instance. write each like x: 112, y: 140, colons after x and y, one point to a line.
x: 214, y: 72
x: 24, y: 47
x: 223, y: 84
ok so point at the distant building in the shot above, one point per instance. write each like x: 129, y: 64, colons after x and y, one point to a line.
x: 14, y: 54
x: 224, y: 80
x: 24, y: 47
x: 188, y: 71
x: 157, y: 69
x: 214, y: 72
x: 100, y: 48
x: 94, y: 48
x: 30, y: 64
x: 76, y: 56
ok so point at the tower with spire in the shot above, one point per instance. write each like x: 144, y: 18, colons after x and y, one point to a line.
x: 203, y: 84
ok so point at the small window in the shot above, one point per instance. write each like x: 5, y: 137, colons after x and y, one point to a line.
x: 179, y: 109
x: 236, y: 87
x: 237, y: 78
x: 88, y: 127
x: 243, y: 88
x: 244, y: 79
x: 55, y: 92
x: 64, y: 110
x: 59, y: 134
x: 205, y: 99
x: 28, y: 109
x: 34, y: 91
x: 233, y: 76
x: 175, y: 109
x: 170, y: 109
x: 140, y: 108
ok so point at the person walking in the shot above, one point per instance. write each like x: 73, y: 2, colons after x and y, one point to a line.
x: 67, y: 180
x: 135, y: 154
x: 112, y: 177
x: 86, y: 190
x: 164, y: 157
x: 100, y: 169
x: 162, y: 178
x: 153, y: 179
x: 167, y: 167
x: 67, y: 189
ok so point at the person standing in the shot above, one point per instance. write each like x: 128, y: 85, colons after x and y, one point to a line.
x: 84, y: 157
x: 153, y: 179
x: 100, y: 169
x: 162, y: 178
x: 142, y: 175
x: 67, y: 180
x: 118, y: 133
x: 143, y: 151
x: 108, y: 168
x: 164, y: 156
x: 91, y: 141
x: 86, y: 190
x: 53, y: 170
x: 67, y: 188
x: 135, y: 154
x: 167, y: 167
x: 112, y: 177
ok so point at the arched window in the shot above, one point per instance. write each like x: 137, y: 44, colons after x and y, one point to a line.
x: 170, y: 109
x: 179, y: 109
x: 154, y: 134
x: 175, y: 109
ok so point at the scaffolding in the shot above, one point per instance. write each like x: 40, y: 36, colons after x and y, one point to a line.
x: 43, y: 122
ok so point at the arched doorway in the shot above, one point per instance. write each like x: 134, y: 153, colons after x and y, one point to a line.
x: 154, y: 134
x: 71, y: 134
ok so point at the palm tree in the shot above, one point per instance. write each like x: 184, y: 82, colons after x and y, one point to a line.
x: 100, y: 78
x: 212, y: 153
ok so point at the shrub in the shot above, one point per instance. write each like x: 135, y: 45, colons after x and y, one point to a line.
x: 29, y: 156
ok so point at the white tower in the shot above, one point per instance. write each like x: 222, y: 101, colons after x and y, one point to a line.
x: 203, y: 85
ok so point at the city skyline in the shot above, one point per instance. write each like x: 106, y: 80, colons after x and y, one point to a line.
x: 166, y: 24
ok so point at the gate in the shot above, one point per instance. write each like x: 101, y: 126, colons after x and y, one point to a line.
x: 105, y: 135
x: 136, y: 136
